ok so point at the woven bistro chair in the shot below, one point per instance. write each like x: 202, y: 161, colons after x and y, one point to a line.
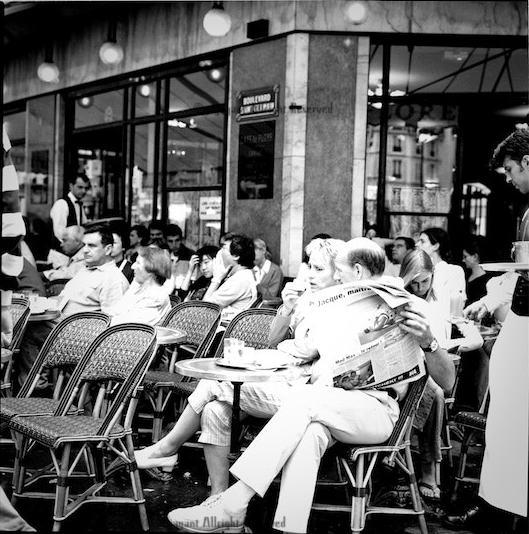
x: 62, y: 350
x: 20, y: 314
x: 473, y: 425
x: 116, y: 361
x: 199, y: 320
x: 358, y: 463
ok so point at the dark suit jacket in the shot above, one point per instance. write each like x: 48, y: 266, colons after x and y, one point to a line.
x: 271, y: 282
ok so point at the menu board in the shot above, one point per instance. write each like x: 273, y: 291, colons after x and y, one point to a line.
x: 255, y: 179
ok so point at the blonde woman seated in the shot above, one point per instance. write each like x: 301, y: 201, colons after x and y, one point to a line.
x: 209, y: 407
x: 145, y: 301
x: 417, y: 271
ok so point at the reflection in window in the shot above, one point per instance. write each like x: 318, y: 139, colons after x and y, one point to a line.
x: 420, y: 180
x: 194, y: 151
x: 457, y: 70
x: 145, y: 99
x: 99, y: 109
x: 198, y: 89
x: 143, y: 173
x: 198, y: 213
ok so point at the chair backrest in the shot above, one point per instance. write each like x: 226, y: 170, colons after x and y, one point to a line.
x: 20, y: 313
x: 251, y: 326
x: 408, y: 407
x: 120, y: 355
x: 66, y: 344
x: 198, y: 320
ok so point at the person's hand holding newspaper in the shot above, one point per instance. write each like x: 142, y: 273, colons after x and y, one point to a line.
x: 414, y: 322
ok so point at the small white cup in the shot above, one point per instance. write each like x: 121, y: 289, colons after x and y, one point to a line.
x: 520, y: 251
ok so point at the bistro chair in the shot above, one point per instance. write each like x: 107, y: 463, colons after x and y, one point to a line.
x: 116, y: 362
x: 20, y: 314
x: 358, y: 462
x: 199, y: 320
x: 473, y: 425
x: 62, y: 351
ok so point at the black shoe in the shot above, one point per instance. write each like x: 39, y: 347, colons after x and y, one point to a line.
x: 470, y: 517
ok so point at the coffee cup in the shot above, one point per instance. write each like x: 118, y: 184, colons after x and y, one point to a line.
x: 520, y: 251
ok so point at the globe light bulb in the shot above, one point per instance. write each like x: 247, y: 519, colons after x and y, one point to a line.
x: 216, y: 21
x: 111, y: 53
x: 356, y: 12
x: 48, y: 72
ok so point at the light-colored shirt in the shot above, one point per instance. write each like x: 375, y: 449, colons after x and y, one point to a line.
x: 93, y: 289
x: 147, y: 304
x: 235, y: 294
x: 259, y: 272
x: 59, y: 215
x: 68, y: 271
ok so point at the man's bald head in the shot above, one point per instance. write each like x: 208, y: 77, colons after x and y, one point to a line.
x: 365, y: 252
x: 72, y: 239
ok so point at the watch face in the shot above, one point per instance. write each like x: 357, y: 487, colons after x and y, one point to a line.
x: 434, y: 345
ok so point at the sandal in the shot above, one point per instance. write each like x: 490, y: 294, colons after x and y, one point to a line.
x: 429, y: 492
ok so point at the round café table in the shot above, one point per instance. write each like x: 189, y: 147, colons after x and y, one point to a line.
x: 48, y: 315
x: 208, y: 368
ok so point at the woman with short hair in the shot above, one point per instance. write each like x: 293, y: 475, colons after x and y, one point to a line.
x: 146, y: 301
x: 233, y: 286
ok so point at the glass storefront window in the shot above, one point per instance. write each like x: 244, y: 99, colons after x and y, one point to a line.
x: 457, y: 70
x: 198, y: 89
x: 99, y: 154
x: 99, y: 109
x: 143, y: 173
x: 426, y: 131
x: 194, y: 151
x: 145, y: 99
x: 198, y: 213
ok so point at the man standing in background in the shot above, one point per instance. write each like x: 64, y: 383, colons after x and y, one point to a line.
x: 68, y: 211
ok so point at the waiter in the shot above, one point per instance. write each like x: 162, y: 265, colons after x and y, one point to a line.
x: 68, y: 211
x: 503, y: 482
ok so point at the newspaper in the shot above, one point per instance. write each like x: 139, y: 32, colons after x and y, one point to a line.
x: 358, y: 333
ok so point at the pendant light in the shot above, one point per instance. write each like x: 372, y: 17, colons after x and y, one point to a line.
x: 216, y: 21
x: 111, y: 53
x: 48, y: 71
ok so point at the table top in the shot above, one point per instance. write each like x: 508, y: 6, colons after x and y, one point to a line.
x: 169, y: 336
x: 207, y: 368
x: 48, y: 315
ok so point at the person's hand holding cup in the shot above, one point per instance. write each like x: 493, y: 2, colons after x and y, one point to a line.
x: 291, y: 293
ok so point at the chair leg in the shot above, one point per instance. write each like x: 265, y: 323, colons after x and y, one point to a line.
x: 414, y: 491
x: 19, y: 469
x: 461, y: 468
x: 358, y: 502
x: 136, y: 485
x: 157, y: 419
x: 61, y: 489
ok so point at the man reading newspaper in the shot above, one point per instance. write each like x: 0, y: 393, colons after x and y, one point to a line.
x: 313, y: 416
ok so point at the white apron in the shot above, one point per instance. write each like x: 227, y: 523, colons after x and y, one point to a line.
x: 505, y: 464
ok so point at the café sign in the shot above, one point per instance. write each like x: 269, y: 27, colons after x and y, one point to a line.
x: 258, y: 103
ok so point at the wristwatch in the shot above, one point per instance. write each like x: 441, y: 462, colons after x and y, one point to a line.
x: 432, y: 347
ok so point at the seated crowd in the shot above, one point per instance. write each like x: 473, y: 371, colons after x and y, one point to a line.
x: 131, y: 277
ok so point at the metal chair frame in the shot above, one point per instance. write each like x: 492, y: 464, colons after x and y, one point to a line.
x: 159, y: 386
x: 20, y: 312
x: 469, y: 421
x: 359, y: 462
x: 119, y: 376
